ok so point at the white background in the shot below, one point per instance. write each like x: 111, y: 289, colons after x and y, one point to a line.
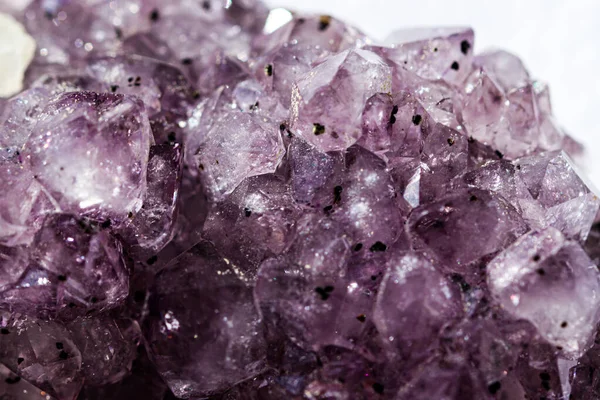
x: 559, y: 41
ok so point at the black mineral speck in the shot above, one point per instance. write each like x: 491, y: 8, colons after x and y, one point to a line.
x: 393, y: 115
x: 544, y: 376
x: 247, y: 212
x: 327, y: 209
x: 473, y: 198
x: 564, y: 324
x: 465, y: 46
x: 378, y: 388
x: 494, y: 387
x: 12, y: 380
x: 63, y: 355
x: 318, y: 129
x: 324, y: 292
x: 536, y: 258
x: 362, y: 317
x: 187, y: 61
x: 378, y: 246
x: 337, y: 194
x: 450, y: 141
x: 546, y: 385
x: 114, y: 88
x: 358, y: 246
x: 269, y: 70
x: 154, y: 15
x: 206, y: 5
x: 499, y: 154
x: 62, y: 278
x: 455, y: 66
x: 541, y: 271
x: 324, y: 21
x: 20, y: 360
x: 4, y: 331
x: 106, y: 224
x: 139, y: 296
x: 152, y: 260
x: 416, y: 119
x: 59, y: 345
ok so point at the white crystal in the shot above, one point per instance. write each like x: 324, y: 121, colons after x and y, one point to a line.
x: 16, y: 52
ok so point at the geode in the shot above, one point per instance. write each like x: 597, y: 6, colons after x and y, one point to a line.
x: 211, y: 200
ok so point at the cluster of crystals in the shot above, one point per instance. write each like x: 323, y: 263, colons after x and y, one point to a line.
x: 208, y: 199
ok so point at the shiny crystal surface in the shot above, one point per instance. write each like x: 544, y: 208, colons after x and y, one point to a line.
x: 214, y: 200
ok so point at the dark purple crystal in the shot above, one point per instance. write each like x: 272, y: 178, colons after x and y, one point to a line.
x: 196, y: 204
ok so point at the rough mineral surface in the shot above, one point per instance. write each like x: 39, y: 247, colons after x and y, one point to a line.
x: 211, y: 200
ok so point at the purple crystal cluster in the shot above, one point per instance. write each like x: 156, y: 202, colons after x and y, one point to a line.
x: 211, y: 200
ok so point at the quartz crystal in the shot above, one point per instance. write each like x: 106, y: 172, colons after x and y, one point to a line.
x: 550, y: 281
x: 207, y: 337
x: 214, y: 200
x: 16, y: 52
x: 107, y: 139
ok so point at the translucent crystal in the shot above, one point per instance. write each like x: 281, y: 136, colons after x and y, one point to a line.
x: 327, y: 102
x: 90, y: 151
x: 549, y: 280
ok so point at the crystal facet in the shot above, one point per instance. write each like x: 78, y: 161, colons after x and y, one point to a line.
x: 211, y: 199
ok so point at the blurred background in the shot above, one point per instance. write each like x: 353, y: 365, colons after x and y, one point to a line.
x: 559, y: 41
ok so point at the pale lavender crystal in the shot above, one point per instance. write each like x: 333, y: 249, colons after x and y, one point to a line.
x: 24, y: 202
x: 162, y: 87
x: 67, y: 31
x: 70, y: 268
x: 446, y: 228
x: 413, y: 293
x: 261, y: 205
x: 569, y: 204
x: 211, y: 199
x: 314, y: 308
x: 432, y: 53
x: 310, y: 169
x: 293, y: 49
x: 340, y: 86
x: 237, y: 145
x: 20, y: 116
x: 321, y: 244
x: 152, y: 227
x: 550, y: 281
x: 206, y: 337
x: 90, y: 151
x: 365, y: 201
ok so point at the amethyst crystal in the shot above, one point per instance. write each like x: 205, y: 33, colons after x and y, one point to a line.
x: 199, y: 204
